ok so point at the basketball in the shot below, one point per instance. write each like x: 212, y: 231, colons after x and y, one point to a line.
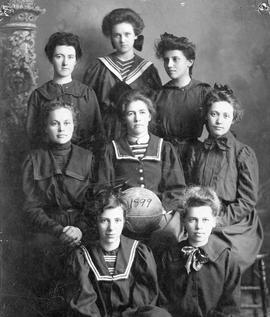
x: 144, y: 211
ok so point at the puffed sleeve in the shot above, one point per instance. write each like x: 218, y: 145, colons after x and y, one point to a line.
x: 93, y: 120
x: 229, y: 304
x: 79, y: 293
x: 173, y: 181
x: 247, y: 187
x: 34, y: 202
x: 33, y: 117
x: 91, y: 76
x: 144, y: 290
x: 106, y: 172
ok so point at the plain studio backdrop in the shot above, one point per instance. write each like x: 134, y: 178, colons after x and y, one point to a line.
x: 233, y: 47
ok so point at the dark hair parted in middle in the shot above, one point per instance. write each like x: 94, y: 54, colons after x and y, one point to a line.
x: 63, y: 38
x: 197, y: 196
x: 122, y: 15
x: 223, y: 93
x: 170, y: 42
x: 134, y: 95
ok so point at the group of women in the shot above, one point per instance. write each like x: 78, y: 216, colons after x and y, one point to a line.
x: 122, y: 128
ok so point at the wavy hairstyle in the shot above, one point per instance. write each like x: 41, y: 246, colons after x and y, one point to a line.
x: 122, y: 15
x: 223, y: 93
x: 197, y: 196
x: 105, y: 198
x: 134, y: 95
x: 63, y: 38
x: 170, y: 42
x: 53, y: 105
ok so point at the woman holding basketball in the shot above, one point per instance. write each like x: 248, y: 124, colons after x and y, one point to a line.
x: 141, y: 159
x: 115, y: 276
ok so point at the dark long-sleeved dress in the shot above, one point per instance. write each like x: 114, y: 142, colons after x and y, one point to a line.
x: 131, y: 291
x: 89, y: 128
x: 231, y: 169
x: 179, y: 116
x: 159, y: 170
x: 104, y: 75
x: 214, y: 290
x: 54, y: 197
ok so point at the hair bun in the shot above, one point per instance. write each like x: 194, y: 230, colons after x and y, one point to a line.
x: 223, y: 88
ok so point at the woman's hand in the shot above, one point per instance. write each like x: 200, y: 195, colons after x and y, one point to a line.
x: 71, y: 236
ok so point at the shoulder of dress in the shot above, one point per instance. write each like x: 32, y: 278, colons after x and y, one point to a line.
x: 82, y: 151
x: 243, y: 151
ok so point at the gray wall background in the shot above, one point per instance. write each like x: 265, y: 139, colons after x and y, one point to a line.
x: 233, y: 47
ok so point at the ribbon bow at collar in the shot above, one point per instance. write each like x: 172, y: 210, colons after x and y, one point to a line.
x: 221, y: 143
x: 196, y: 257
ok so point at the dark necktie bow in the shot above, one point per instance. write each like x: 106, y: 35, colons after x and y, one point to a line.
x: 220, y: 143
x: 196, y: 257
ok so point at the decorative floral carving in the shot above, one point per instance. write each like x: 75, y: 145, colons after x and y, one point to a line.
x: 18, y: 71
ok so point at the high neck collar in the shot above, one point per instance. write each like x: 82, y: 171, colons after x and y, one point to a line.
x: 58, y: 148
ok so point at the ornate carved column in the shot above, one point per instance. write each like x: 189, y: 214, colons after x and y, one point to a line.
x: 18, y: 71
x: 18, y: 77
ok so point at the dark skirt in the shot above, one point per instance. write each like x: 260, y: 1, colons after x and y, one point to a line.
x: 244, y: 238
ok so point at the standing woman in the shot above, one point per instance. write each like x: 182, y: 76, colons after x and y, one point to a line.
x: 141, y: 159
x: 231, y: 169
x: 180, y: 100
x: 63, y: 51
x: 123, y: 27
x: 115, y: 275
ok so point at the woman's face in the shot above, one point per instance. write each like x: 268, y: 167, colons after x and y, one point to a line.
x: 176, y: 64
x: 220, y: 118
x: 60, y: 126
x: 137, y: 118
x: 110, y: 226
x: 123, y: 37
x: 199, y: 222
x: 64, y: 61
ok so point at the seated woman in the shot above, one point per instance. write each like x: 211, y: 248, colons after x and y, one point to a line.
x: 63, y: 51
x: 115, y: 276
x: 200, y: 276
x: 231, y: 169
x: 141, y: 159
x: 56, y: 178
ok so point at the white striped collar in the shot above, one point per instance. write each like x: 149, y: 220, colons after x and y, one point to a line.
x: 133, y: 75
x: 121, y: 276
x: 153, y: 152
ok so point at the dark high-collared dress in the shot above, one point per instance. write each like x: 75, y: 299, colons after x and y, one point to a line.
x: 89, y: 128
x: 159, y: 170
x: 179, y: 114
x: 231, y: 169
x: 214, y: 290
x: 105, y: 74
x: 131, y: 291
x: 55, y: 198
